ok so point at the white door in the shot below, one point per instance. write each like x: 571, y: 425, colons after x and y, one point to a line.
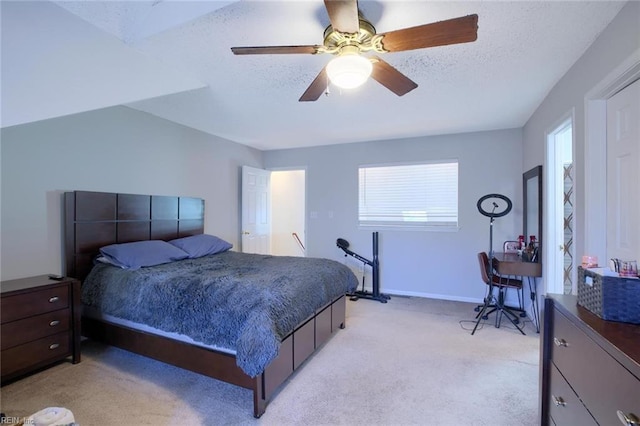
x: 623, y: 175
x: 256, y: 215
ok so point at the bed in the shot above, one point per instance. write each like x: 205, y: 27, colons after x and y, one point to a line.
x: 298, y: 311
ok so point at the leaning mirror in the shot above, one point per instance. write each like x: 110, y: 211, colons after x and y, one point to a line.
x: 532, y: 204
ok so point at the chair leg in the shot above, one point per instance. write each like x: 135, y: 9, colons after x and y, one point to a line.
x: 500, y: 309
x: 496, y: 304
x: 521, y: 309
x: 513, y: 318
x: 504, y: 310
x: 483, y: 313
x: 493, y: 303
x: 520, y: 292
x: 479, y: 307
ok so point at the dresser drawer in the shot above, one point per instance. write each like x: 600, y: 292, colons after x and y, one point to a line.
x: 26, y: 330
x: 565, y: 408
x: 600, y: 381
x: 34, y: 303
x: 38, y: 352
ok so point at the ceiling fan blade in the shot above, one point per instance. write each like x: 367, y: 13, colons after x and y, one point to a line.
x: 343, y: 15
x: 316, y: 88
x: 391, y: 78
x: 452, y: 31
x: 268, y: 50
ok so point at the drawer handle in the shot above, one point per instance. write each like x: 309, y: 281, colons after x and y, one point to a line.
x: 558, y: 401
x: 54, y: 323
x: 628, y: 419
x: 54, y: 346
x: 53, y: 299
x: 560, y: 342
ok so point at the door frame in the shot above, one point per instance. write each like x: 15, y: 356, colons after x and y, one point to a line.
x: 595, y: 189
x: 303, y: 237
x: 553, y: 259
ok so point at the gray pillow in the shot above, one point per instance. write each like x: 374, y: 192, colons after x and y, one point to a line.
x: 142, y: 253
x: 201, y: 245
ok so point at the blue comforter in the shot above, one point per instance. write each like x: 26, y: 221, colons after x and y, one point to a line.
x: 243, y: 302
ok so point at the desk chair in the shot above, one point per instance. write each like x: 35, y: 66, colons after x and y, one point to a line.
x: 512, y: 247
x: 493, y: 302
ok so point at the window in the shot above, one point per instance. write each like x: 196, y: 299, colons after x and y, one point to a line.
x: 409, y: 195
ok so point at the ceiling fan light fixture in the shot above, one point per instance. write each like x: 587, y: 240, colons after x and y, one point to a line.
x: 349, y: 70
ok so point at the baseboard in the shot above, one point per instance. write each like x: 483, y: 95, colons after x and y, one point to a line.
x: 433, y: 296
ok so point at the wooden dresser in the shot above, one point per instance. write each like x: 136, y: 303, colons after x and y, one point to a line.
x: 589, y: 368
x: 40, y: 324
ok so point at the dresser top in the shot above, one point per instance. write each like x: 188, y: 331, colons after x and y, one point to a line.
x: 29, y: 283
x: 619, y: 335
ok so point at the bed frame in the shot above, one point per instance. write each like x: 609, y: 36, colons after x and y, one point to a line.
x: 95, y: 219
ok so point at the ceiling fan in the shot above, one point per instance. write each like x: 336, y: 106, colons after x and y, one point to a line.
x: 350, y: 35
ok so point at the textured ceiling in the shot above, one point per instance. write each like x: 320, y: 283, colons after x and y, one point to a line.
x: 172, y: 59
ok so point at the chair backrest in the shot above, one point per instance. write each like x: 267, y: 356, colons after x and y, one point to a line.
x: 483, y: 259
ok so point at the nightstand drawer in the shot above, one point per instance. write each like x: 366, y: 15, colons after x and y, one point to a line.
x: 564, y: 405
x: 38, y: 352
x: 40, y: 324
x: 33, y: 303
x: 26, y: 330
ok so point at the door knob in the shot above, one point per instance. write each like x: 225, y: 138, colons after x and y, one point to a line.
x: 246, y: 232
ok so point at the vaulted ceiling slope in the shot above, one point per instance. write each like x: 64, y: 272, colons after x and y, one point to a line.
x: 172, y: 59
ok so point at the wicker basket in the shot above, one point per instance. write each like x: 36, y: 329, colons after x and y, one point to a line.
x: 609, y: 296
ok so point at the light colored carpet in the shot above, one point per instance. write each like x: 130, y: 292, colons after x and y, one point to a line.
x: 411, y: 361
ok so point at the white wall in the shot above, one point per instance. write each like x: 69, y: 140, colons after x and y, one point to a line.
x: 434, y: 264
x: 112, y: 150
x: 54, y: 64
x: 618, y: 42
x: 123, y: 150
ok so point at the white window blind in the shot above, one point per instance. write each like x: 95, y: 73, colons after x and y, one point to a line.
x: 409, y: 195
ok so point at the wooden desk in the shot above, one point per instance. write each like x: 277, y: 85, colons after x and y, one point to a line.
x: 512, y: 264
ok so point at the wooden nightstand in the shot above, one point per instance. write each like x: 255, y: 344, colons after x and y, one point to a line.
x: 39, y: 323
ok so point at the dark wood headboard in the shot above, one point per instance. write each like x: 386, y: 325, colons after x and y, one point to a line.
x: 96, y: 219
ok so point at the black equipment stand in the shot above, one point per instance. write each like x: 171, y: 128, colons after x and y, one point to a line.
x: 491, y: 302
x: 375, y: 265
